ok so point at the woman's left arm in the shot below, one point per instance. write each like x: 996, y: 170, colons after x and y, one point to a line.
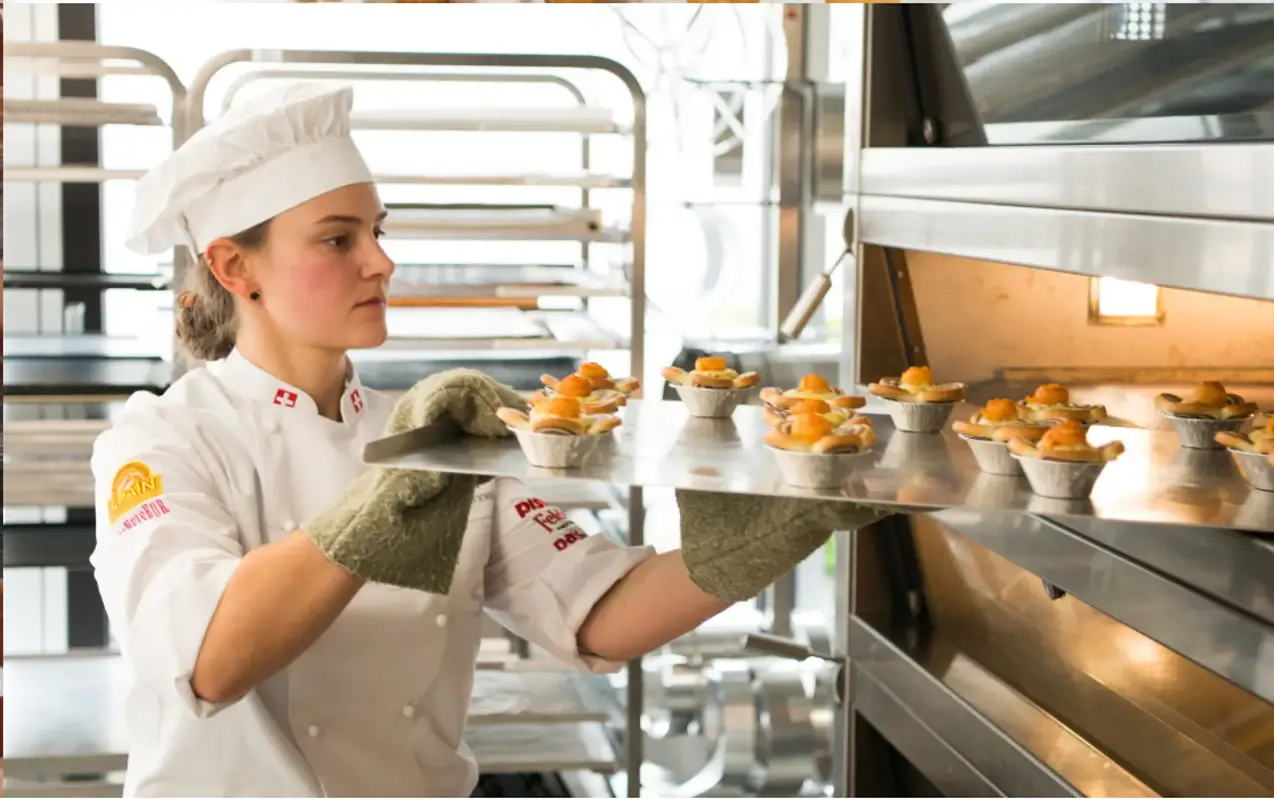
x: 650, y: 606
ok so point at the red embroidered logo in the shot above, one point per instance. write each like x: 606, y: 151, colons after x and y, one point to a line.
x: 569, y: 539
x: 356, y: 400
x: 285, y: 398
x: 151, y: 509
x: 525, y: 507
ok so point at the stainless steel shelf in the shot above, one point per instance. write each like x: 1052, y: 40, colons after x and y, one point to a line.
x: 660, y: 445
x: 450, y: 281
x: 1212, y: 605
x: 65, y: 715
x: 496, y: 329
x: 580, y: 119
x: 529, y: 224
x: 77, y: 111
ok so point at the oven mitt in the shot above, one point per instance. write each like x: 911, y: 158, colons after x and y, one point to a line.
x: 405, y: 527
x: 734, y: 545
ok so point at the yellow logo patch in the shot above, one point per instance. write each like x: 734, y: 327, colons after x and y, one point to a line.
x: 134, y: 484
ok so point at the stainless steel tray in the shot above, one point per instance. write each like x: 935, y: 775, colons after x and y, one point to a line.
x: 1155, y: 481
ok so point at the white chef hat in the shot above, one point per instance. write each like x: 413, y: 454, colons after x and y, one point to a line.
x: 263, y: 157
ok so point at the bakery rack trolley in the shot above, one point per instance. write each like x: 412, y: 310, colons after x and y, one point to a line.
x: 67, y: 59
x: 453, y: 292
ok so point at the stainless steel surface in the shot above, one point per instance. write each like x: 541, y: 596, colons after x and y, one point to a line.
x: 1171, y: 180
x: 765, y: 644
x: 1199, y: 434
x: 553, y: 451
x: 992, y: 457
x: 1257, y: 469
x: 1227, y: 257
x: 649, y: 451
x: 1208, y: 631
x: 1063, y: 480
x: 710, y: 403
x: 66, y: 715
x: 919, y: 417
x: 972, y: 753
x: 812, y: 471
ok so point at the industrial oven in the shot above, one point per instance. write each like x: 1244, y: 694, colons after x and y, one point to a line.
x: 1066, y: 193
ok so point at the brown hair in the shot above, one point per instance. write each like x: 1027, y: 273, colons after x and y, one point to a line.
x: 206, y: 323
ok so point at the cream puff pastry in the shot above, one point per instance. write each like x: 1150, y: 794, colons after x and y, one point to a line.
x: 1260, y: 440
x: 810, y: 387
x: 710, y: 372
x: 814, y: 433
x: 574, y: 387
x: 774, y: 415
x: 1066, y: 441
x: 562, y: 416
x: 1209, y: 400
x: 1000, y: 421
x: 916, y: 386
x: 1052, y: 402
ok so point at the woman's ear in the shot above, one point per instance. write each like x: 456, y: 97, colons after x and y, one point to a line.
x: 229, y: 265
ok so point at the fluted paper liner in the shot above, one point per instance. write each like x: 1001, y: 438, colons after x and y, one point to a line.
x: 556, y: 451
x: 710, y: 403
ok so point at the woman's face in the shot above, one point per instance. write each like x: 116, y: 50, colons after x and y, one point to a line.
x: 323, y: 275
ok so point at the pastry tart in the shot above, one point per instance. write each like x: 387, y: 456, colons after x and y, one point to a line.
x: 561, y: 416
x: 574, y: 387
x: 1260, y: 440
x: 916, y: 386
x: 837, y: 415
x: 1052, y: 402
x: 598, y: 378
x: 811, y: 387
x: 1066, y: 441
x: 1000, y: 420
x: 1209, y: 400
x: 710, y: 372
x: 815, y: 433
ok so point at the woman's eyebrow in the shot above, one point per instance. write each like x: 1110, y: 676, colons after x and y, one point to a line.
x: 346, y: 218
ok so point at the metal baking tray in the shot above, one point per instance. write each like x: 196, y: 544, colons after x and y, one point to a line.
x: 659, y: 444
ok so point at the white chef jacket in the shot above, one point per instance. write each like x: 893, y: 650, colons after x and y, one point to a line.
x: 231, y: 458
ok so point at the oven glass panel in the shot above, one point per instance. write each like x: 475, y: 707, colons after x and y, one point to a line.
x: 1118, y: 72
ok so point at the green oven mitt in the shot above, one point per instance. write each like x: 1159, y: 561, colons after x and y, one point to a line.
x: 735, y: 545
x: 405, y: 527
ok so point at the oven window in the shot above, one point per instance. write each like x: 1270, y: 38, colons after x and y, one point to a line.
x: 1117, y: 72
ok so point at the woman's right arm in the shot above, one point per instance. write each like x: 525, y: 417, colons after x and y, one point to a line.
x: 201, y: 620
x: 279, y: 600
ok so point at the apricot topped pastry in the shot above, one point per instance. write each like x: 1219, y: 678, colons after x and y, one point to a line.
x: 810, y: 387
x: 1000, y: 421
x: 815, y: 433
x: 916, y: 385
x: 837, y: 415
x: 562, y: 416
x: 598, y: 378
x: 1209, y: 400
x: 577, y: 388
x: 710, y: 372
x: 1066, y: 441
x: 1052, y: 401
x: 1260, y: 440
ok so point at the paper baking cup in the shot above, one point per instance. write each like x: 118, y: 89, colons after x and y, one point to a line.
x: 556, y: 451
x: 710, y: 403
x: 992, y: 457
x: 1063, y: 480
x: 1256, y: 469
x: 1197, y: 434
x: 814, y: 471
x: 919, y: 417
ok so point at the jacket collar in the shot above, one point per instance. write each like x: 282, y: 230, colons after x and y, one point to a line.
x: 244, y: 378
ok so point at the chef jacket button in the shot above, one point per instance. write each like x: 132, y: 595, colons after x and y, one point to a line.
x: 271, y: 426
x: 409, y: 711
x: 314, y: 731
x: 289, y: 526
x: 441, y: 620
